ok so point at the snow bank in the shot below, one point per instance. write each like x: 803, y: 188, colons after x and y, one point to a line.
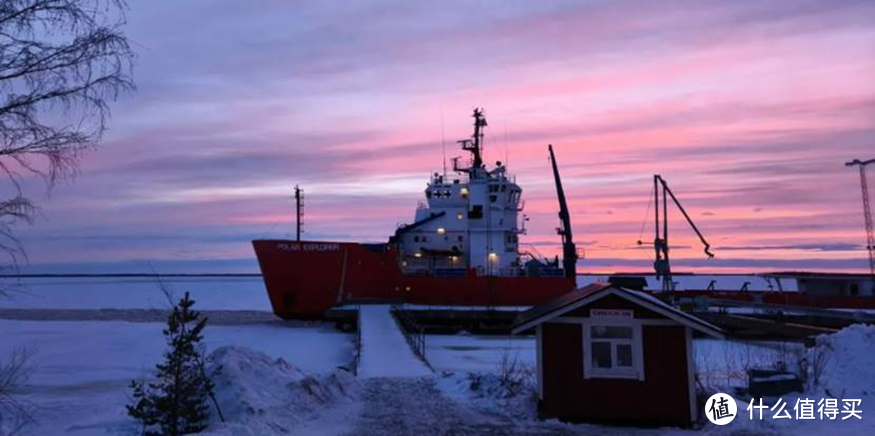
x: 262, y: 395
x: 489, y: 392
x: 847, y: 372
x: 849, y: 369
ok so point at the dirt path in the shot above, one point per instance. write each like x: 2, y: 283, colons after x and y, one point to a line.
x: 415, y: 407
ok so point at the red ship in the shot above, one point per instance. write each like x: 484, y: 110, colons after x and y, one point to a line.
x: 461, y: 250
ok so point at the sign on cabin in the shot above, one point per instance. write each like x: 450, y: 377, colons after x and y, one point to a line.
x: 611, y: 313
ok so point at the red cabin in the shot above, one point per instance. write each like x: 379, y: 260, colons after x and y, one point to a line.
x: 609, y: 354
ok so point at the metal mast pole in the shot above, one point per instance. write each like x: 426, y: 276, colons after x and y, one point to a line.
x: 867, y: 211
x: 298, y: 212
x: 668, y: 280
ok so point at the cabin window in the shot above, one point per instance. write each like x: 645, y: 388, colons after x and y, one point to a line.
x: 416, y: 239
x: 476, y: 212
x: 493, y: 188
x: 613, y: 350
x: 460, y: 238
x: 855, y: 289
x: 503, y: 188
x: 493, y: 198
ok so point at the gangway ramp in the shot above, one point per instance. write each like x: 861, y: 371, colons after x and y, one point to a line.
x: 384, y: 350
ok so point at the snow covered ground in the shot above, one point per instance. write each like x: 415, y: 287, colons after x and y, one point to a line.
x: 80, y: 383
x: 82, y: 368
x: 283, y: 378
x: 471, y: 353
x: 385, y: 352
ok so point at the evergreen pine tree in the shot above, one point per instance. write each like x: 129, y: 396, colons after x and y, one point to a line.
x: 175, y: 403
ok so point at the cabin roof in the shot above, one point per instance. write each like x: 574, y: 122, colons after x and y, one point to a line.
x: 588, y: 294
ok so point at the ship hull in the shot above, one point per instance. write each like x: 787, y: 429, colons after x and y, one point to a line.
x: 305, y: 279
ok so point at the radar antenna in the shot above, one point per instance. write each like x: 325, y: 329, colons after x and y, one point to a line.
x: 475, y: 144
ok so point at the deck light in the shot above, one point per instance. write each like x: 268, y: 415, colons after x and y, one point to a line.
x: 441, y: 230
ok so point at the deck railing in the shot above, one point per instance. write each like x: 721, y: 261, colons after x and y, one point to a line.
x: 413, y: 332
x: 357, y: 357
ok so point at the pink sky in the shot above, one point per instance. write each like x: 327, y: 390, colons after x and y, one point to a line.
x: 748, y: 109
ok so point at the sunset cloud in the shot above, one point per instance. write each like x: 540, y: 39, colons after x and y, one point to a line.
x: 748, y: 109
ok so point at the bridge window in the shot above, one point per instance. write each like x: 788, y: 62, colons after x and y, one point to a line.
x: 476, y: 212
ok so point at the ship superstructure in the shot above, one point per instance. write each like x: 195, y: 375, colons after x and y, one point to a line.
x: 462, y: 248
x: 469, y: 220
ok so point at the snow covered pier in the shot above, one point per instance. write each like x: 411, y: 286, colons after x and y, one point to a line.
x: 385, y: 352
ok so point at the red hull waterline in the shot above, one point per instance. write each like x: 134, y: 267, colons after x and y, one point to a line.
x: 305, y: 279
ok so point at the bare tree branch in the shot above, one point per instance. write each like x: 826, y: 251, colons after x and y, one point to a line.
x: 61, y: 63
x: 14, y: 372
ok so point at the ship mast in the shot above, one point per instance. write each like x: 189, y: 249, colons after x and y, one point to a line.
x: 474, y: 145
x: 299, y: 211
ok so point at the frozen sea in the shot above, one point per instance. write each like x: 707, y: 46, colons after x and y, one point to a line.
x: 210, y: 293
x: 226, y: 292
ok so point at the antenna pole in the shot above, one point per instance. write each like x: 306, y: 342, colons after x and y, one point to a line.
x: 443, y: 145
x: 299, y: 198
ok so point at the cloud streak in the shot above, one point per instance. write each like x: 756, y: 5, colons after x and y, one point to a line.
x: 747, y: 109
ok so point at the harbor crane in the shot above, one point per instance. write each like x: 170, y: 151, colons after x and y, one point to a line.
x: 660, y: 241
x: 867, y: 210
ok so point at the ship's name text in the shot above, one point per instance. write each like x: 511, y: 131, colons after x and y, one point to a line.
x: 308, y: 247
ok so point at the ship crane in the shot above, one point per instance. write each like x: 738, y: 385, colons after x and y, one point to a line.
x: 867, y: 210
x: 569, y: 250
x: 660, y: 241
